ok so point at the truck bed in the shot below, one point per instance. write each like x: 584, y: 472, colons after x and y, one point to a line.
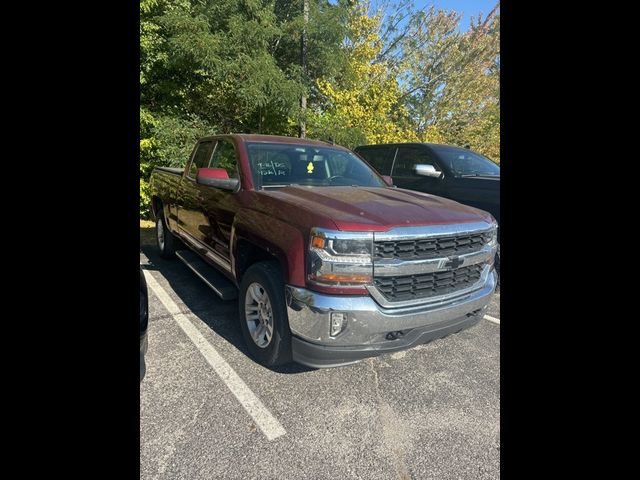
x: 174, y: 171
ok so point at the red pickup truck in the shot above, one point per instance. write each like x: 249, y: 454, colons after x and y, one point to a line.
x: 330, y: 262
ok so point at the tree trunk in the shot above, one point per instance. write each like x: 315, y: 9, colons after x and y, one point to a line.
x: 303, y: 63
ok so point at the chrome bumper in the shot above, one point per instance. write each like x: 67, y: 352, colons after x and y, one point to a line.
x: 369, y: 324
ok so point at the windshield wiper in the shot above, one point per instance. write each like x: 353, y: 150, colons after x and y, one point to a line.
x: 279, y: 186
x: 478, y: 175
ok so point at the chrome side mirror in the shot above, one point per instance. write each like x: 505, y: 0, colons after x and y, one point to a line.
x: 427, y: 170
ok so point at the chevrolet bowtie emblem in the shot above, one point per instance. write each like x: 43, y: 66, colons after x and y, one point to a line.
x: 453, y: 263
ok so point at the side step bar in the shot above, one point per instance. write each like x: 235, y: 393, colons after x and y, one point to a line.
x: 216, y: 281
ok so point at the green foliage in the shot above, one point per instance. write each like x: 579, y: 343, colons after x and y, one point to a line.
x: 165, y: 141
x: 226, y: 66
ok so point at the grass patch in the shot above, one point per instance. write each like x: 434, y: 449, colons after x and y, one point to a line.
x: 147, y: 232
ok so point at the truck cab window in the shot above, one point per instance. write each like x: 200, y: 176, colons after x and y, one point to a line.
x: 225, y: 157
x: 201, y: 158
x: 380, y: 158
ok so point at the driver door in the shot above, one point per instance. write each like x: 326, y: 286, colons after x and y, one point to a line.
x: 219, y: 205
x: 190, y: 215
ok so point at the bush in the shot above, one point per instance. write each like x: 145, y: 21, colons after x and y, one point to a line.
x: 165, y: 141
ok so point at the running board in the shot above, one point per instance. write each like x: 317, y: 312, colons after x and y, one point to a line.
x: 216, y: 281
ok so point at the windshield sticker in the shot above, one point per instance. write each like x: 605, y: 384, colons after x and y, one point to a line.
x: 271, y: 168
x: 310, y: 167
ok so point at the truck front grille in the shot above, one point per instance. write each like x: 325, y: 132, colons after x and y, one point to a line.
x: 411, y: 287
x: 425, y: 248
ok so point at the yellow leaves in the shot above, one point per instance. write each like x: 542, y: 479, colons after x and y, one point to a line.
x: 432, y: 135
x: 367, y: 99
x: 147, y: 144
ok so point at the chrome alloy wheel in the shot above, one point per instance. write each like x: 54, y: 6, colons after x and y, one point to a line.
x: 258, y: 315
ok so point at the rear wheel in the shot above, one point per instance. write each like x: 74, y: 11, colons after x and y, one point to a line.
x: 263, y: 314
x: 166, y: 240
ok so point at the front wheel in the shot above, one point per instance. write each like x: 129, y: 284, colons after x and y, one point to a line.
x: 263, y: 314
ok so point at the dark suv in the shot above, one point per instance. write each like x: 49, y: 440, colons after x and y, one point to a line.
x: 451, y: 172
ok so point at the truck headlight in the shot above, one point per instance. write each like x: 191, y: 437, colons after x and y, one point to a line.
x: 340, y: 259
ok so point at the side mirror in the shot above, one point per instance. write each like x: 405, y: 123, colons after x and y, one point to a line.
x: 388, y: 180
x: 427, y: 170
x: 216, y: 177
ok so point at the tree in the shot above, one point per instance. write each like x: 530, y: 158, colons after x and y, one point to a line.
x: 453, y: 78
x: 225, y: 66
x: 393, y: 75
x: 362, y: 103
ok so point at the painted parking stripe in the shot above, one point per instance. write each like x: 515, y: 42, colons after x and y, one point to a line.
x: 492, y: 319
x: 269, y: 425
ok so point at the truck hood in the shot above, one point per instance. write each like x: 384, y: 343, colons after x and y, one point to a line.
x: 373, y: 209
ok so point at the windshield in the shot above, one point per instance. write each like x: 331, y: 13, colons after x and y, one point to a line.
x: 463, y: 162
x: 279, y: 165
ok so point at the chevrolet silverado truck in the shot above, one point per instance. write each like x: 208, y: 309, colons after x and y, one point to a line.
x: 329, y: 262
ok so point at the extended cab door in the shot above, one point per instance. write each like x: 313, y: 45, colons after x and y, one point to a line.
x: 219, y: 205
x: 404, y: 172
x: 190, y: 215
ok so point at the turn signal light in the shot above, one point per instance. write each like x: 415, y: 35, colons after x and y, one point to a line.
x: 318, y: 242
x: 343, y: 278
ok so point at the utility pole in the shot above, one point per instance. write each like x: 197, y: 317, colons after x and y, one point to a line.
x: 303, y: 63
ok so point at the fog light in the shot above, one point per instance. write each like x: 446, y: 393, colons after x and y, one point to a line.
x: 337, y: 323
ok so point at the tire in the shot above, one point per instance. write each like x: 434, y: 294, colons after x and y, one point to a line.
x: 164, y: 238
x: 265, y: 278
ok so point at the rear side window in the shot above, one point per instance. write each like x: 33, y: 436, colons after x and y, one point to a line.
x: 225, y: 157
x: 408, y: 157
x: 380, y: 158
x: 201, y: 158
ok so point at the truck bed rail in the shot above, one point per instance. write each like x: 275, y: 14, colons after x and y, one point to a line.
x: 175, y: 171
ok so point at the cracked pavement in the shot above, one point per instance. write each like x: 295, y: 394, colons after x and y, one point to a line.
x: 432, y: 412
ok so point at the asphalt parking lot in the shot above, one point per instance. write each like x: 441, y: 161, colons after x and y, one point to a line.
x: 432, y: 412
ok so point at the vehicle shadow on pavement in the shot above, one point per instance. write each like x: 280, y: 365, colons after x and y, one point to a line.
x: 220, y: 316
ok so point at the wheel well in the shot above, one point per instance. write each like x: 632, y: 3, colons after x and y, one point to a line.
x: 248, y: 254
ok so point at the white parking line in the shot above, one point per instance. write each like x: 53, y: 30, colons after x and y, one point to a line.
x: 269, y: 425
x: 492, y: 319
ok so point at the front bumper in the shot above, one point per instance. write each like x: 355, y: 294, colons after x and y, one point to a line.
x: 369, y: 325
